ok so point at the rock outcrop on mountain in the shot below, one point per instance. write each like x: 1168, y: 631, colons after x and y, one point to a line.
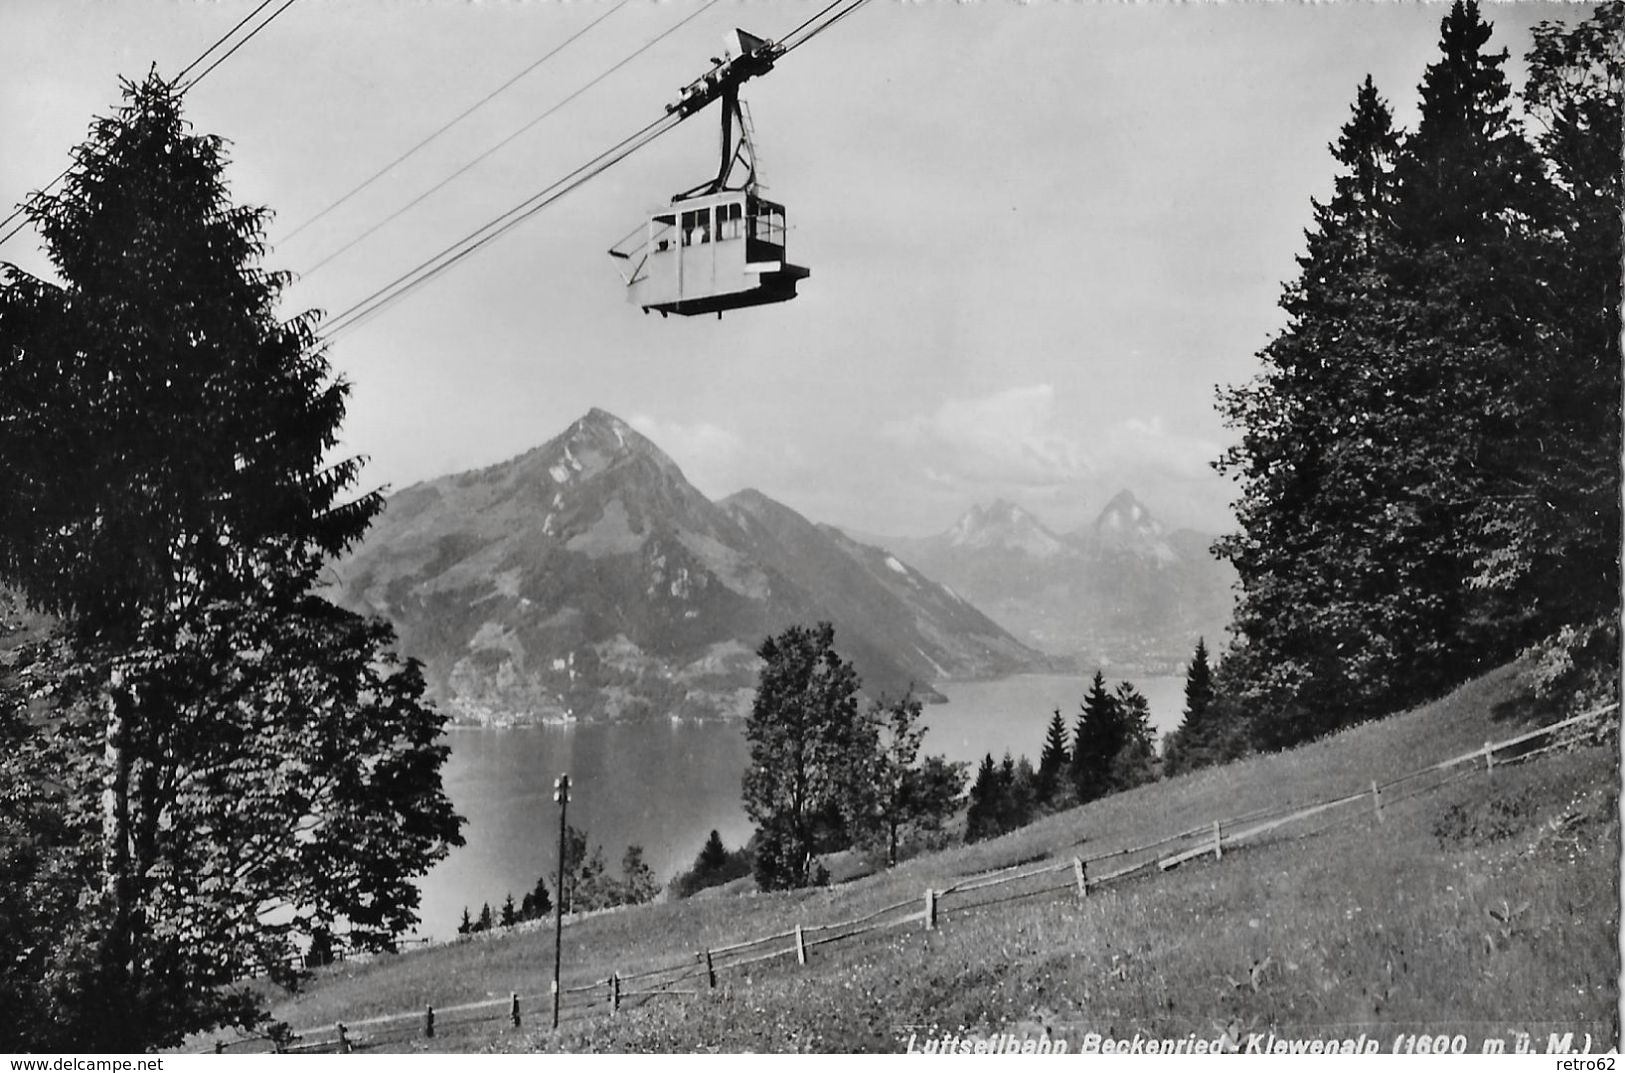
x: 1123, y: 591
x: 587, y: 579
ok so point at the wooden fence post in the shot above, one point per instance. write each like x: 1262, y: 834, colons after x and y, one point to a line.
x: 614, y: 992
x: 219, y: 1046
x: 1489, y: 758
x: 428, y: 1022
x: 801, y: 947
x: 1218, y: 842
x: 1081, y: 871
x: 930, y: 909
x: 710, y: 970
x: 1376, y: 800
x: 344, y: 1039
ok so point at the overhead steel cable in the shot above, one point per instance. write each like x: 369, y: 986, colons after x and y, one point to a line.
x: 464, y: 114
x: 429, y: 269
x: 392, y: 217
x: 407, y: 282
x: 233, y: 50
x: 815, y: 31
x: 63, y: 174
x: 220, y: 41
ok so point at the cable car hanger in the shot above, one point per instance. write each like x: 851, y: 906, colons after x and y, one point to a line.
x: 719, y: 246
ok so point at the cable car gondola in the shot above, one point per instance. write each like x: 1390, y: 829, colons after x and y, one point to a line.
x: 718, y: 246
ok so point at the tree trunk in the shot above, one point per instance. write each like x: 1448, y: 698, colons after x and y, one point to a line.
x: 116, y: 821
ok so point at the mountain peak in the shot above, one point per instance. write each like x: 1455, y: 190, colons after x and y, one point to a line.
x: 1124, y: 525
x: 1004, y: 525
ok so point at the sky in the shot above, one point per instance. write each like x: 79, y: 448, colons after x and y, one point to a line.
x: 1040, y: 234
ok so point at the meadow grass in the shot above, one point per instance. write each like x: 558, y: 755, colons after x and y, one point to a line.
x: 1483, y: 905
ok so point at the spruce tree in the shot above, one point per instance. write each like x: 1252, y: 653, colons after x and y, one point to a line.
x: 713, y: 855
x: 1305, y: 656
x: 1193, y: 744
x: 1096, y: 739
x: 1562, y: 547
x: 981, y: 817
x: 540, y: 900
x: 509, y: 913
x: 165, y: 489
x: 467, y: 924
x: 1053, y: 761
x: 1132, y: 760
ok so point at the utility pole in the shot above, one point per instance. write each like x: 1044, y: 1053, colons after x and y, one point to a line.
x: 561, y: 794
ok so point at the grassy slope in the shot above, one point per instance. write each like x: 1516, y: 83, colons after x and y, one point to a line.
x: 1485, y: 906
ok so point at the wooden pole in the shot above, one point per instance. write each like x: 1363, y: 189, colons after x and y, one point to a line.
x: 1081, y: 871
x: 930, y: 909
x: 801, y: 947
x: 614, y: 982
x: 1376, y: 800
x: 1218, y: 842
x: 1489, y: 758
x: 428, y: 1022
x: 513, y: 1008
x: 561, y: 794
x: 219, y: 1046
x: 710, y: 971
x: 344, y: 1039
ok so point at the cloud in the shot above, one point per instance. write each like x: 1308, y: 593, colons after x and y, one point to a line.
x: 709, y: 455
x: 1147, y: 447
x: 1010, y: 437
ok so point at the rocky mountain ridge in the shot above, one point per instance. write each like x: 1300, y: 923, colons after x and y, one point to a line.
x: 587, y: 579
x: 1123, y: 591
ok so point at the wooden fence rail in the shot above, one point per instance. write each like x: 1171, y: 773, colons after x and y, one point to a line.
x: 1211, y: 837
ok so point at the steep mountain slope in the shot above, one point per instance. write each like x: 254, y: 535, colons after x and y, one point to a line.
x: 898, y: 606
x: 588, y: 579
x: 1122, y: 591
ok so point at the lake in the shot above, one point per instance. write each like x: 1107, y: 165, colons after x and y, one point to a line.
x: 665, y: 785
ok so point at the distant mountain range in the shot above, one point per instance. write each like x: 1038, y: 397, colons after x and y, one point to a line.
x: 1122, y: 592
x: 587, y: 579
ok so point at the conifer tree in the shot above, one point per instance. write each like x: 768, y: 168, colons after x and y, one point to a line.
x: 1302, y: 655
x: 1053, y: 761
x: 1096, y: 739
x: 165, y: 490
x: 1193, y: 745
x: 1561, y: 552
x: 541, y: 901
x: 982, y: 815
x: 467, y: 924
x: 1131, y: 764
x: 713, y: 855
x: 509, y: 913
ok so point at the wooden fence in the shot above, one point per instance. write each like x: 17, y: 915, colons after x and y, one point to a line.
x: 699, y: 971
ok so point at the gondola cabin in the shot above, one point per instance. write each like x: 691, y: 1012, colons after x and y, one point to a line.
x: 711, y: 253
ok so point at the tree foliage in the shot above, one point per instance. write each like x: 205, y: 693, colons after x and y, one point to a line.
x: 233, y: 765
x: 1428, y: 464
x: 811, y: 755
x: 1053, y: 761
x: 713, y: 866
x: 912, y: 794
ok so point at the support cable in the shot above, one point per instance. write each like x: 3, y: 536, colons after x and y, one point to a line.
x: 503, y: 143
x: 63, y: 174
x: 464, y: 114
x: 409, y: 281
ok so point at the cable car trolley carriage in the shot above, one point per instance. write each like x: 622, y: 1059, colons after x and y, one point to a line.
x: 719, y: 246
